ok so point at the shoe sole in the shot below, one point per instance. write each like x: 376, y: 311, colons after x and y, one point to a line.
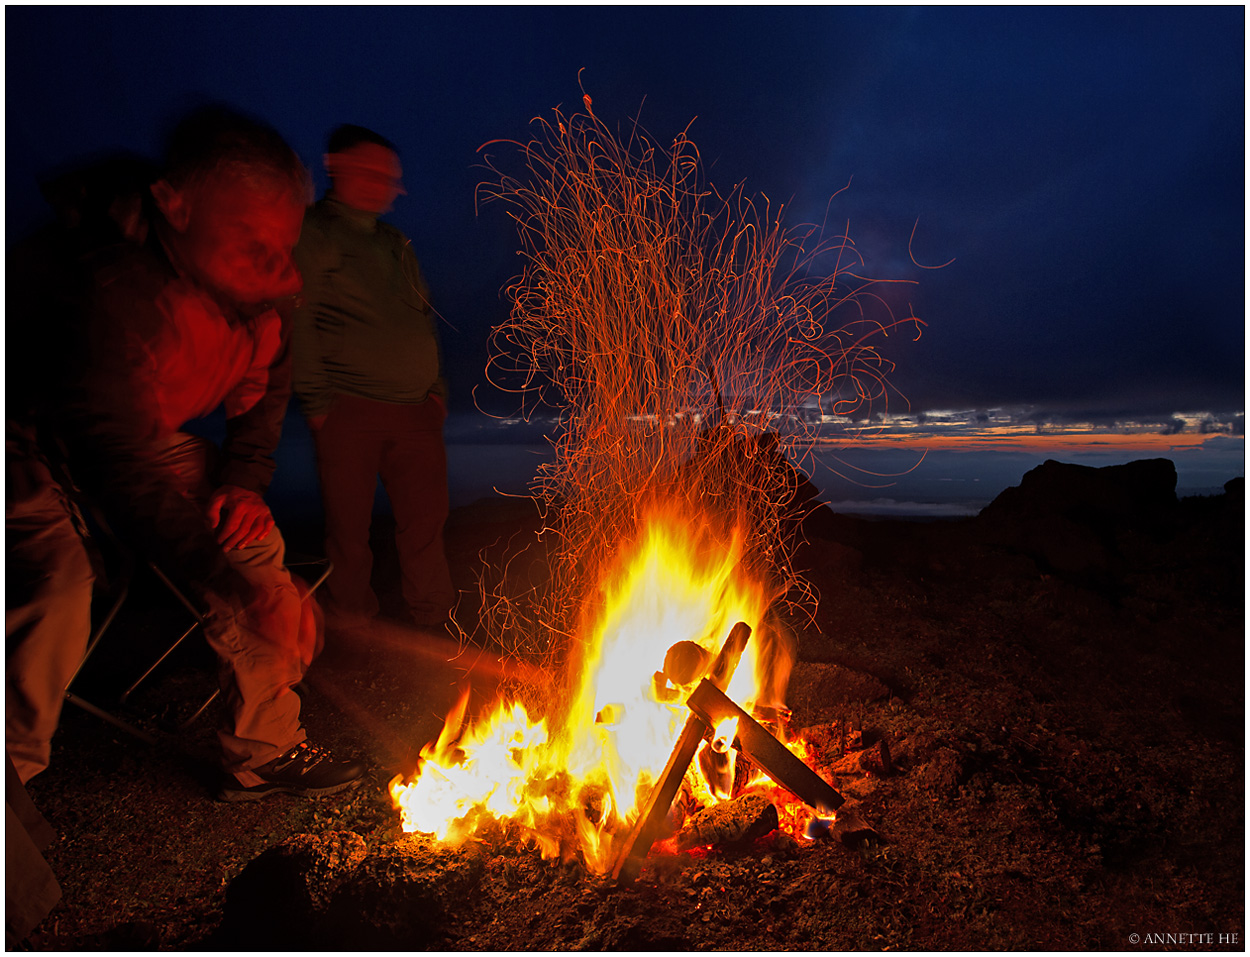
x: 262, y: 791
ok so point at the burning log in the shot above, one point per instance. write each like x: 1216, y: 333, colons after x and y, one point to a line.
x: 739, y: 821
x: 684, y: 662
x: 718, y: 768
x: 710, y: 706
x: 652, y: 814
x: 651, y: 817
x: 872, y: 760
x: 774, y: 758
x: 726, y: 662
x: 848, y: 827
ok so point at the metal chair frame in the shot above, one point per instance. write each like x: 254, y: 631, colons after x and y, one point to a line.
x: 125, y: 574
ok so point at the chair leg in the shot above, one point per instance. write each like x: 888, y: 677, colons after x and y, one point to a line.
x: 96, y: 635
x: 326, y: 568
x: 183, y: 725
x: 199, y: 621
x: 325, y: 573
x: 93, y: 642
x: 112, y: 719
x: 168, y: 651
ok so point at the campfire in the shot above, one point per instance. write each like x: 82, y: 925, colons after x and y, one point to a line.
x: 678, y: 332
x: 640, y: 744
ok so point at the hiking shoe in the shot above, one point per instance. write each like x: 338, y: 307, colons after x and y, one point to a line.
x: 304, y: 771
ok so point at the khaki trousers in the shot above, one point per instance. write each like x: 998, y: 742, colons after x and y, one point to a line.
x: 259, y: 647
x: 47, y: 618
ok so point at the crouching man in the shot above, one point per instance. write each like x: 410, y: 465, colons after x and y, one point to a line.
x: 175, y: 328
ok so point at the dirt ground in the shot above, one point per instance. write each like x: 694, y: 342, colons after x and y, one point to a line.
x: 1067, y: 773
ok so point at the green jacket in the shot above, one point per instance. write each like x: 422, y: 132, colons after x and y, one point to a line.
x: 363, y: 325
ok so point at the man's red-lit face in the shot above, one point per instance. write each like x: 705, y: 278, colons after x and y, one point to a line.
x: 367, y: 177
x: 236, y: 238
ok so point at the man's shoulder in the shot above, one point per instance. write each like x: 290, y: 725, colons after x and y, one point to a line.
x: 130, y: 262
x: 139, y: 294
x: 319, y: 219
x: 394, y: 238
x: 130, y: 274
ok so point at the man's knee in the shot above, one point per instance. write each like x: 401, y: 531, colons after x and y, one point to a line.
x: 72, y: 577
x: 274, y: 610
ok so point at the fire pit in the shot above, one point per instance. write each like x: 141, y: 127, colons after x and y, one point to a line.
x: 714, y: 716
x: 716, y: 731
x: 677, y: 692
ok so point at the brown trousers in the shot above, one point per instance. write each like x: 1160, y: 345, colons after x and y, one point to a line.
x: 262, y: 649
x: 359, y: 441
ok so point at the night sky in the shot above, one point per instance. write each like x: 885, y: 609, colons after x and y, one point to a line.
x: 1084, y: 168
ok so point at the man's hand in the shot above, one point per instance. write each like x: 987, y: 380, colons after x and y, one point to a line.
x: 239, y: 516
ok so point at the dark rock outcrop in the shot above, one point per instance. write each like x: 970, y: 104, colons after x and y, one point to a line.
x: 1137, y: 493
x: 1077, y: 521
x: 1235, y: 493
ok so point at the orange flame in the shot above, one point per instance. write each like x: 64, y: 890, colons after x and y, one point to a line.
x: 624, y: 715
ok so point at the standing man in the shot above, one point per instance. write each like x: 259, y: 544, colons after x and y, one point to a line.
x: 368, y: 375
x: 176, y: 327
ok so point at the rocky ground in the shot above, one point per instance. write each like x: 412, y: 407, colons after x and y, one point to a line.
x: 1058, y: 682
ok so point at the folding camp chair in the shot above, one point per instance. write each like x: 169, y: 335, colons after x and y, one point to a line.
x: 320, y: 567
x: 111, y: 590
x: 313, y: 570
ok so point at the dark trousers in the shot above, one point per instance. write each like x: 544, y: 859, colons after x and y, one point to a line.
x: 359, y: 441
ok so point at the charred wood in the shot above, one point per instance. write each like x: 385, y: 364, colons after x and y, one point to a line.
x: 654, y: 812
x: 773, y: 757
x: 729, y: 823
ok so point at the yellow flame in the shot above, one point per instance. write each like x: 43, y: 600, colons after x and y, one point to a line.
x: 576, y: 786
x: 723, y: 736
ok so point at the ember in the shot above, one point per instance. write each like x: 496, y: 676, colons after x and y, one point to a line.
x: 679, y: 332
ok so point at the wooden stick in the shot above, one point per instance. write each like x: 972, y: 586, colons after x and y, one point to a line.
x: 651, y: 815
x: 776, y: 760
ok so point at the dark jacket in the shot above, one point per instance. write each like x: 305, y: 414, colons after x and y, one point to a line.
x: 163, y: 351
x: 365, y: 326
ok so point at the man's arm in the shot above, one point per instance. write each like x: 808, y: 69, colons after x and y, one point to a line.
x: 256, y: 408
x: 309, y: 379
x: 255, y: 412
x: 115, y: 435
x: 416, y: 278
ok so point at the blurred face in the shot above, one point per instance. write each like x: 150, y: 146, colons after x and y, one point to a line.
x: 367, y: 177
x: 236, y: 238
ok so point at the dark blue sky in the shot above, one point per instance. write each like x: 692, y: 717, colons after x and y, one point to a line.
x: 1083, y: 167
